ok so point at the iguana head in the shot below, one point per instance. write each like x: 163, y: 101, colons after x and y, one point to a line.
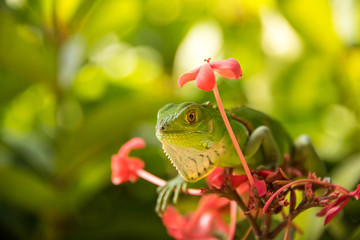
x: 191, y: 135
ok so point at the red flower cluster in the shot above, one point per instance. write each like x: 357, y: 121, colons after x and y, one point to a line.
x: 208, y: 220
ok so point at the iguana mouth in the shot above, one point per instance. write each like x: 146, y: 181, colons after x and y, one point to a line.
x: 160, y: 134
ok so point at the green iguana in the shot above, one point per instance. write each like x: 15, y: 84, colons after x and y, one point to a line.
x: 195, y: 139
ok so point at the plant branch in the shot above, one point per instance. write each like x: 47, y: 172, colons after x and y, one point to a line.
x: 266, y: 227
x: 284, y: 223
x: 249, y: 217
x: 287, y: 228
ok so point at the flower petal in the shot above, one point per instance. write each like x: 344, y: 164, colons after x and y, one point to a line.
x: 187, y: 77
x: 216, y: 178
x: 205, y: 80
x: 133, y: 143
x: 237, y: 180
x: 229, y: 68
x: 243, y: 188
x: 202, y: 226
x: 174, y: 223
x: 261, y: 186
x: 334, y: 211
x: 202, y: 222
x: 326, y: 209
x: 123, y: 167
x: 213, y: 202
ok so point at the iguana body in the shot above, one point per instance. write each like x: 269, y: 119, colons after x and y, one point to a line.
x: 195, y: 139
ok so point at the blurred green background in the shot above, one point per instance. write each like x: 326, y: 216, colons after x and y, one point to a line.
x: 79, y: 78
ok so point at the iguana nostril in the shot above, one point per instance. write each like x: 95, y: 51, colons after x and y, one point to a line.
x: 160, y: 127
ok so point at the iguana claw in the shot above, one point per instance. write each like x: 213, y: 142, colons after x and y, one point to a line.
x: 176, y: 184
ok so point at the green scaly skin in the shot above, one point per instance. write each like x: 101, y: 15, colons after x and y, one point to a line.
x: 196, y: 141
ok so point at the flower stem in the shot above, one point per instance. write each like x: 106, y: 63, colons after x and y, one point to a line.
x: 192, y: 191
x: 233, y: 207
x: 161, y: 182
x: 150, y: 177
x: 233, y: 138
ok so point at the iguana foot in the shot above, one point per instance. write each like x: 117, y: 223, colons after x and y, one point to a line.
x: 176, y: 184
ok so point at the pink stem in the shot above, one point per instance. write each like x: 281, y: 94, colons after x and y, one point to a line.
x: 291, y: 184
x: 233, y: 208
x: 233, y: 138
x: 196, y: 192
x: 150, y: 177
x: 161, y: 182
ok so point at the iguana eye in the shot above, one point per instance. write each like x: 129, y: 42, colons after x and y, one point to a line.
x: 191, y: 117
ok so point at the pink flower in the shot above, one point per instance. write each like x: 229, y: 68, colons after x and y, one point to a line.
x: 204, y: 75
x: 123, y: 167
x: 331, y: 210
x: 238, y: 182
x: 201, y: 224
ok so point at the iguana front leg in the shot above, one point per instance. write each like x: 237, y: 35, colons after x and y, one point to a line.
x: 176, y: 184
x: 262, y: 138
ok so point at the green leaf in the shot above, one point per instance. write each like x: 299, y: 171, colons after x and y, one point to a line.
x: 23, y: 189
x: 22, y: 52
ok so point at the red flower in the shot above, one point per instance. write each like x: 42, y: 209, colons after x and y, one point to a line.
x: 331, y: 210
x: 334, y: 208
x: 205, y: 221
x: 123, y: 167
x: 204, y: 75
x: 238, y: 182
